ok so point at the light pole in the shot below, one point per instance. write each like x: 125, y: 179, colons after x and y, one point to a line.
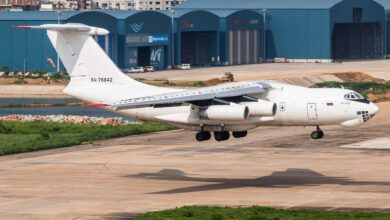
x: 385, y: 40
x: 172, y: 39
x: 265, y: 34
x: 59, y: 13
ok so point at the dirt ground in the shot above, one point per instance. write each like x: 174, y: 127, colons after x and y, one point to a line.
x: 304, y: 74
x: 32, y: 91
x: 279, y: 167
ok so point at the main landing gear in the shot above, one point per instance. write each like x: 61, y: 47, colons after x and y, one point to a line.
x: 240, y: 134
x: 203, y: 136
x: 219, y: 135
x: 318, y: 134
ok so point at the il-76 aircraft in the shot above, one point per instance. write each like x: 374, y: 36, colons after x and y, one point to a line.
x: 231, y: 108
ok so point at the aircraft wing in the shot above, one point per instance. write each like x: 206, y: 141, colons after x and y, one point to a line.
x: 200, y: 96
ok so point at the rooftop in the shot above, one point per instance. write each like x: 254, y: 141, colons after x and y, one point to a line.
x: 264, y: 4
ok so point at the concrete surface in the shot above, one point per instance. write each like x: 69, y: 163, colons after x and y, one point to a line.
x: 279, y: 167
x: 379, y: 144
x: 277, y: 71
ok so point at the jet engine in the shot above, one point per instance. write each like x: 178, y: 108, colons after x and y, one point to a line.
x: 225, y: 112
x: 261, y: 108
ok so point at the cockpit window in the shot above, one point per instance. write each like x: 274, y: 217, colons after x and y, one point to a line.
x: 353, y: 96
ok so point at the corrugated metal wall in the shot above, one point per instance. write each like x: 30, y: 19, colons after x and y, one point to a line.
x: 371, y: 28
x: 243, y: 46
x: 387, y: 35
x: 202, y: 26
x: 298, y: 34
x: 295, y: 34
x: 21, y: 48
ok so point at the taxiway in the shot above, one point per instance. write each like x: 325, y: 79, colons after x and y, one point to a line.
x: 279, y: 167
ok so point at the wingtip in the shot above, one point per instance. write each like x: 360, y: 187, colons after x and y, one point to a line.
x: 97, y: 105
x: 21, y: 27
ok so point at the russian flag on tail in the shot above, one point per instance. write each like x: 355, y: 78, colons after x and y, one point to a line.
x: 329, y: 104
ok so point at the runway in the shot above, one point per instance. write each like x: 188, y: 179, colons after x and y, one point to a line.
x: 278, y: 167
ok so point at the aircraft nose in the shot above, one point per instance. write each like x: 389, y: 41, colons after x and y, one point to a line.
x: 373, y: 109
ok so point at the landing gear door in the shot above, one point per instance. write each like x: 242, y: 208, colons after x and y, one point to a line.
x: 312, y: 111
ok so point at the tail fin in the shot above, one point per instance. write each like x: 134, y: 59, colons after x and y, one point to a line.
x: 94, y: 76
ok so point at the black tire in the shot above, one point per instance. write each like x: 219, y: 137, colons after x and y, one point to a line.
x: 240, y: 134
x: 203, y: 136
x: 207, y: 136
x: 227, y: 135
x: 316, y: 135
x: 221, y: 136
x: 199, y: 137
x: 321, y: 134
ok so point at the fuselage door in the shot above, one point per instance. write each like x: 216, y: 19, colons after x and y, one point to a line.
x: 312, y: 111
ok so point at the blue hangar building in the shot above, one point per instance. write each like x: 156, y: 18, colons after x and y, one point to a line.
x: 218, y: 32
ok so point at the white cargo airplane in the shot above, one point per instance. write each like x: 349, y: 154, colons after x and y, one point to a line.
x: 232, y: 107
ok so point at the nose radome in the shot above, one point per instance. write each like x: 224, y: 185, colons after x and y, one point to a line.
x: 373, y: 109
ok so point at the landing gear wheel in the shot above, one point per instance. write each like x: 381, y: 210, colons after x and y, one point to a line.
x: 203, y: 136
x: 317, y: 134
x: 221, y: 135
x: 321, y: 134
x: 240, y: 134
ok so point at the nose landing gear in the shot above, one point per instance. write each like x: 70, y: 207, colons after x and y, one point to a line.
x: 318, y: 134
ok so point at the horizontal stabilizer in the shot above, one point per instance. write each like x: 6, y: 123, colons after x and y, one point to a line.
x: 68, y: 28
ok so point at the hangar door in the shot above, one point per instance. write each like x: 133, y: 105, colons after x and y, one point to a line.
x: 196, y: 47
x: 243, y: 46
x: 357, y: 41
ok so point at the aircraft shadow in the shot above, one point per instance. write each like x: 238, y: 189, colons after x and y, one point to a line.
x: 280, y: 179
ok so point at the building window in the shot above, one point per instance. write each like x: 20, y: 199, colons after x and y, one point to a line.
x: 357, y: 15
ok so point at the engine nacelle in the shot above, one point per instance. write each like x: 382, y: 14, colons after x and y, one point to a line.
x: 261, y: 108
x: 225, y: 112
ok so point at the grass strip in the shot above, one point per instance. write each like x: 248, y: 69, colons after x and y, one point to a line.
x: 258, y: 213
x: 20, y: 137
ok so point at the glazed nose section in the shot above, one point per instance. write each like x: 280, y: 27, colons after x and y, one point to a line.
x: 373, y: 109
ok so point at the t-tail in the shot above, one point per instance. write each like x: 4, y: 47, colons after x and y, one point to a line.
x: 94, y: 76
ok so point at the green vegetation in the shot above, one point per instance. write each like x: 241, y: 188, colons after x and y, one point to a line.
x: 257, y: 213
x: 4, y: 69
x: 18, y: 137
x: 364, y: 88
